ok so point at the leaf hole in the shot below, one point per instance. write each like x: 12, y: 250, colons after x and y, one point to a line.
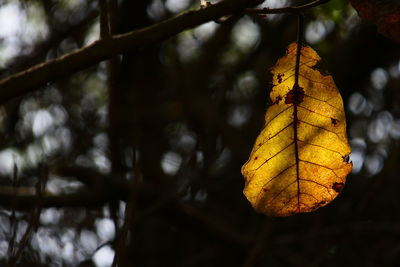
x: 280, y: 76
x: 338, y: 187
x: 277, y: 99
x: 321, y: 68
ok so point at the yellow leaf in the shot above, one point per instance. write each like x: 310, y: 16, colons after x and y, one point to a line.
x: 300, y: 159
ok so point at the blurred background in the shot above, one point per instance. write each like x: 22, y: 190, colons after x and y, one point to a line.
x: 175, y: 122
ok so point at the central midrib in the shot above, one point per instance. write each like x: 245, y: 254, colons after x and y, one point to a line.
x: 296, y: 93
x: 296, y: 153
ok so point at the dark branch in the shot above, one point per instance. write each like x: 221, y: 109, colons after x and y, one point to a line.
x: 34, y: 218
x: 25, y: 200
x: 90, y: 198
x: 294, y: 9
x: 98, y: 190
x: 39, y: 75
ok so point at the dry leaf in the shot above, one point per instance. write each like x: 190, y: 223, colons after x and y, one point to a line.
x: 300, y: 159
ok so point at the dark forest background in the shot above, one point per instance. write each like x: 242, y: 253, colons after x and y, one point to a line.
x: 139, y: 157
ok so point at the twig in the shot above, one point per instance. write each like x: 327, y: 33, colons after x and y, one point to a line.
x: 294, y: 9
x: 104, y: 23
x: 114, y: 127
x: 110, y: 189
x: 112, y: 15
x: 113, y: 114
x: 87, y: 198
x: 34, y: 218
x: 31, y: 79
x: 120, y: 250
x: 102, y: 189
x: 13, y: 218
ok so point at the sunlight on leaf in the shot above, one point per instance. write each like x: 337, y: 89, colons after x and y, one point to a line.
x: 299, y: 162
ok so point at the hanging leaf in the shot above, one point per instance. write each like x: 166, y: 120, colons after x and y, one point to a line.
x: 300, y: 159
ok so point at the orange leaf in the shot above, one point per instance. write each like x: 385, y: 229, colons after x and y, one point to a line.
x: 300, y: 159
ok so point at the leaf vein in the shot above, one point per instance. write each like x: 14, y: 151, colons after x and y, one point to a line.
x: 274, y: 155
x: 277, y: 115
x: 311, y: 144
x: 316, y: 126
x: 280, y: 131
x: 313, y: 81
x: 281, y: 191
x: 293, y: 67
x: 270, y: 180
x: 324, y: 101
x: 320, y: 114
x: 315, y: 182
x: 269, y: 138
x: 307, y: 194
x: 319, y: 165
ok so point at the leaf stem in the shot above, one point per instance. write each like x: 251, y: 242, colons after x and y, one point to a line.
x: 300, y: 31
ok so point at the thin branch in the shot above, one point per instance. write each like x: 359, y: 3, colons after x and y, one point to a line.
x: 13, y: 217
x: 25, y: 199
x: 34, y: 218
x: 120, y: 250
x: 31, y: 79
x: 104, y: 19
x: 88, y: 198
x: 99, y: 189
x: 294, y: 9
x: 114, y: 128
x: 112, y: 15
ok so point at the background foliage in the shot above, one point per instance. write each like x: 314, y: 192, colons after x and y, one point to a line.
x: 178, y: 119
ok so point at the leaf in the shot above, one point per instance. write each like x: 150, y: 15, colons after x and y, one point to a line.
x: 385, y: 14
x: 300, y: 159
